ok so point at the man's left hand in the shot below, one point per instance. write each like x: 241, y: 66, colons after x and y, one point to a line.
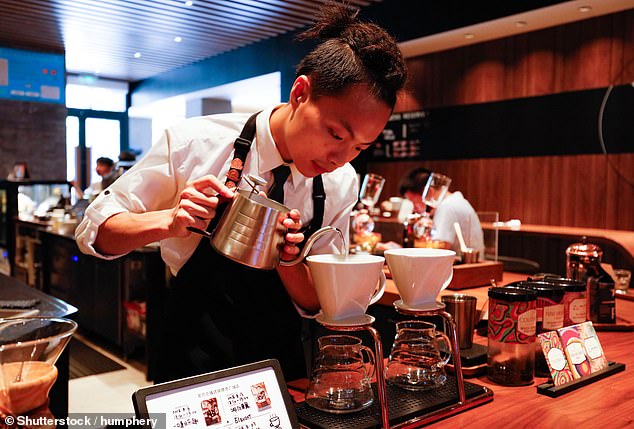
x: 293, y: 237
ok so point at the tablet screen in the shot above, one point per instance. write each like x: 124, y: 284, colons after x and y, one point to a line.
x: 250, y: 399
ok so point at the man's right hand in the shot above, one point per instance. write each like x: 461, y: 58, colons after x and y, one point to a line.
x: 197, y: 204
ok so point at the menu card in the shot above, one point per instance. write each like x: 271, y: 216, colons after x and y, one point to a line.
x: 572, y: 352
x: 555, y: 357
x: 592, y: 346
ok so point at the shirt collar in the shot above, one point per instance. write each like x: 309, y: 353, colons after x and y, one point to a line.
x: 268, y: 153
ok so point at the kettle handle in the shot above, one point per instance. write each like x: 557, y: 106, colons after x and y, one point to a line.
x: 309, y: 244
x: 200, y: 231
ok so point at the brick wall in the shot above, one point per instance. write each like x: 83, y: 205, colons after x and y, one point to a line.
x: 34, y: 133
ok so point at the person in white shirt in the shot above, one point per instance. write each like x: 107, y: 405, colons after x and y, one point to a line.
x: 221, y: 313
x: 453, y: 208
x: 105, y: 170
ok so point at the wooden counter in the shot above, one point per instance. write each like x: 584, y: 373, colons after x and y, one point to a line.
x: 624, y: 239
x: 607, y: 403
x: 546, y: 245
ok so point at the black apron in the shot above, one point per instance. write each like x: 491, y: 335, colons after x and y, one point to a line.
x: 226, y: 314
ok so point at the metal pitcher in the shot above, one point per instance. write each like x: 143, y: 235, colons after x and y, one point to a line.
x: 250, y: 232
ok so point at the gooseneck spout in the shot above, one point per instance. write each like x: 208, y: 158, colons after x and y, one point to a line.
x: 309, y: 244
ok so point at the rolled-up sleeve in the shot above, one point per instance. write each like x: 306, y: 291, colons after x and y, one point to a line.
x: 149, y: 185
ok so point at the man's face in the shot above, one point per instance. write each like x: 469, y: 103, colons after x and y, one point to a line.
x: 103, y: 169
x: 325, y: 133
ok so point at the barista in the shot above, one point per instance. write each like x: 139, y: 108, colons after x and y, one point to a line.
x: 221, y: 313
x: 453, y: 208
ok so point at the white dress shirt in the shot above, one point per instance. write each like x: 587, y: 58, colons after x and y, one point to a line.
x: 455, y: 208
x: 201, y: 146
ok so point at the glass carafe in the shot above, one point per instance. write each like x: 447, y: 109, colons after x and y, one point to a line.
x: 342, y: 374
x: 29, y: 349
x: 417, y: 361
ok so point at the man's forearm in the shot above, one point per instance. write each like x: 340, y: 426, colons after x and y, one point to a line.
x: 124, y: 232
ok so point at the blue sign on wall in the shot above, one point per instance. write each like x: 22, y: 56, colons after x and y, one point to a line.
x: 32, y: 76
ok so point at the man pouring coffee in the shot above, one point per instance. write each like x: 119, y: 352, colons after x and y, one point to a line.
x: 223, y: 313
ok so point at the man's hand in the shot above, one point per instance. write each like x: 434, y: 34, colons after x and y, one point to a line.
x: 197, y: 204
x: 293, y: 237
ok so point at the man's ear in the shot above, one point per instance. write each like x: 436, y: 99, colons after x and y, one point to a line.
x: 300, y: 91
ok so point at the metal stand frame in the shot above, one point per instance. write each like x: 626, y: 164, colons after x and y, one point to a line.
x: 449, y: 322
x: 462, y: 405
x: 378, y: 363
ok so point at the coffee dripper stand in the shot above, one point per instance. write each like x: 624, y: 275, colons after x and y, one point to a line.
x: 455, y: 345
x: 463, y: 403
x: 378, y: 362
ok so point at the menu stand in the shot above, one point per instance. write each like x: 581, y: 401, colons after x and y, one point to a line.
x: 549, y: 389
x: 378, y: 362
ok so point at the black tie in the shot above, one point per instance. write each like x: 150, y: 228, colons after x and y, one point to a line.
x: 280, y: 174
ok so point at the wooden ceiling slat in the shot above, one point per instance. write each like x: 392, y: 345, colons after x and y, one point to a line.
x: 256, y: 7
x: 309, y: 9
x: 106, y: 33
x: 155, y: 23
x: 220, y: 43
x: 225, y: 9
x: 141, y: 11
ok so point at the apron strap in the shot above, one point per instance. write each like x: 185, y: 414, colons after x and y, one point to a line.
x: 319, y: 201
x: 241, y: 147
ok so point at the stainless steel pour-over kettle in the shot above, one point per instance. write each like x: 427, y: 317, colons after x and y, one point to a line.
x: 250, y: 231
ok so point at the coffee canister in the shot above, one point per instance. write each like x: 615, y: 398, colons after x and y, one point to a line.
x: 511, y: 335
x: 549, y: 316
x: 575, y: 302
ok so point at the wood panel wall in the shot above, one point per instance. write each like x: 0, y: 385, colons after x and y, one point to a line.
x: 574, y: 190
x: 588, y: 54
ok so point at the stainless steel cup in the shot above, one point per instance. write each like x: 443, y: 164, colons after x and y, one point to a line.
x: 463, y: 309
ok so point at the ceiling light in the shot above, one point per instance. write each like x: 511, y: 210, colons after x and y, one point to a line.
x: 584, y: 9
x: 520, y: 24
x: 469, y: 36
x: 178, y: 39
x: 189, y: 3
x: 137, y: 55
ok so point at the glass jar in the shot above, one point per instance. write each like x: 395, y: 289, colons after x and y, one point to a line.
x: 511, y: 333
x: 579, y: 256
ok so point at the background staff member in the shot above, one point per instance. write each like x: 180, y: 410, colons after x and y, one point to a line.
x: 223, y: 313
x: 453, y: 208
x: 105, y: 170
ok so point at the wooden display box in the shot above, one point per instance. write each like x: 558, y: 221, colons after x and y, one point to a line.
x: 474, y: 275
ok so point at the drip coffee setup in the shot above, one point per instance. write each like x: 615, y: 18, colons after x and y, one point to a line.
x: 413, y: 387
x: 29, y: 348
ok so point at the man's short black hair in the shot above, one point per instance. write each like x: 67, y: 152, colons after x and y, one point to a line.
x: 415, y: 181
x: 105, y: 161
